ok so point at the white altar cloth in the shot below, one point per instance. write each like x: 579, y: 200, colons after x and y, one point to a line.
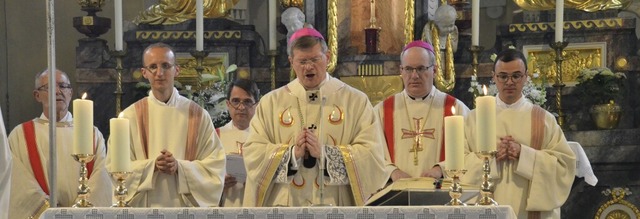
x: 457, y: 212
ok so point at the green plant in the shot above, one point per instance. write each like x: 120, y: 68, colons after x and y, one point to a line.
x: 600, y: 86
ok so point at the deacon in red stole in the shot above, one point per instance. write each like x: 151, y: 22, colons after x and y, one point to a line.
x: 534, y: 166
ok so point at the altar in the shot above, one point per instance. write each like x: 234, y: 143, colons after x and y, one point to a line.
x: 460, y: 212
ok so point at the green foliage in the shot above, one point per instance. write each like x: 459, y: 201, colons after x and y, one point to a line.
x: 600, y: 86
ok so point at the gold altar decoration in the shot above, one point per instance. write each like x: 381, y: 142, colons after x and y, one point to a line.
x: 332, y: 35
x: 617, y: 207
x: 377, y: 88
x: 292, y: 3
x: 187, y: 35
x: 445, y: 73
x: 606, y: 116
x: 577, y: 25
x: 576, y: 57
x: 584, y: 5
x: 189, y: 74
x: 409, y: 17
x: 168, y: 12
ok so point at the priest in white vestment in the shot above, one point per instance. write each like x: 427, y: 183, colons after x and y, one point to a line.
x: 178, y: 160
x: 534, y: 165
x: 5, y: 170
x: 313, y: 117
x: 29, y: 143
x: 242, y: 96
x: 413, y: 120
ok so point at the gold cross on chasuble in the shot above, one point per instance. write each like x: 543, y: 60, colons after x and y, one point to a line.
x: 417, y: 136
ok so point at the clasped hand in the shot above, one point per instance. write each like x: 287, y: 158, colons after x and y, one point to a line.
x: 166, y: 163
x: 508, y: 148
x: 307, y: 142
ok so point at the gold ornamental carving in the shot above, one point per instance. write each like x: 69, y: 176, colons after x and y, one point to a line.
x: 292, y: 3
x: 576, y: 25
x: 168, y: 12
x: 332, y: 35
x: 181, y: 35
x: 189, y: 75
x: 377, y: 88
x: 617, y: 207
x: 584, y: 5
x: 575, y: 59
x: 409, y: 17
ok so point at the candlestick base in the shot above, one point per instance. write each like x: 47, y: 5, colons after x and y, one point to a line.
x: 371, y: 40
x: 120, y: 192
x: 83, y: 189
x: 475, y: 52
x: 455, y: 191
x: 199, y: 55
x: 486, y: 193
x: 119, y: 54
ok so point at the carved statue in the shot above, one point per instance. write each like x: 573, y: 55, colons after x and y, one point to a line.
x: 584, y: 5
x: 443, y: 28
x: 168, y: 12
x: 293, y: 18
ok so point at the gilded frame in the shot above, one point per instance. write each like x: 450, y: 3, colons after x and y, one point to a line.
x: 577, y: 56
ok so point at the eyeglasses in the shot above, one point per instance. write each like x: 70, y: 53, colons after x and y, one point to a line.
x: 503, y: 78
x: 236, y: 102
x: 308, y: 61
x: 61, y: 86
x: 419, y: 70
x: 153, y: 68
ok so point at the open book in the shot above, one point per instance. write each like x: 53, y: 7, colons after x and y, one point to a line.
x: 418, y: 191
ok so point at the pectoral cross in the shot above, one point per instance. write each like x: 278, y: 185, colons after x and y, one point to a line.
x: 313, y: 96
x: 239, y: 145
x: 417, y: 136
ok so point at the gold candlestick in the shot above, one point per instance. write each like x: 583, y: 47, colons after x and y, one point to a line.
x: 121, y: 191
x: 559, y: 85
x: 455, y: 191
x: 119, y: 55
x: 199, y: 55
x: 83, y: 189
x: 486, y: 195
x: 272, y: 68
x: 475, y: 51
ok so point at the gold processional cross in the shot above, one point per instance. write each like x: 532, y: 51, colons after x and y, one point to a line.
x: 417, y: 140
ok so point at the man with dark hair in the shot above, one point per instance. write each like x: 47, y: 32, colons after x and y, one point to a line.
x: 178, y: 160
x: 313, y: 118
x: 534, y: 166
x: 413, y: 120
x: 29, y: 143
x: 242, y: 97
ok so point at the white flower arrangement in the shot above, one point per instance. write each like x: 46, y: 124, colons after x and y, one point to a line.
x: 212, y: 97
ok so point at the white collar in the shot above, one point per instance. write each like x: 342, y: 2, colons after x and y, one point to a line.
x: 519, y: 103
x: 67, y: 118
x: 172, y: 100
x: 420, y: 99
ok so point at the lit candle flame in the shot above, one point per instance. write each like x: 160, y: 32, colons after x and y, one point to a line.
x: 84, y: 96
x: 453, y: 110
x: 120, y: 115
x: 484, y: 89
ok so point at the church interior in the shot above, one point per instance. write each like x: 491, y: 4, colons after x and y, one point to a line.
x: 248, y: 39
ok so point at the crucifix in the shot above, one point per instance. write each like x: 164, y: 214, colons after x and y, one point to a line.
x: 417, y: 136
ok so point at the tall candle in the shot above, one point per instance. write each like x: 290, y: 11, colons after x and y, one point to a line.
x: 475, y: 22
x: 120, y: 140
x: 454, y: 141
x: 272, y: 24
x: 559, y: 19
x: 486, y: 122
x: 118, y: 24
x: 82, y: 126
x: 199, y: 25
x: 372, y: 13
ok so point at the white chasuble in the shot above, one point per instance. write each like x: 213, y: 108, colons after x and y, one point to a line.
x: 540, y: 180
x: 32, y: 199
x: 5, y: 171
x: 233, y: 140
x: 157, y: 126
x: 343, y: 120
x: 418, y: 126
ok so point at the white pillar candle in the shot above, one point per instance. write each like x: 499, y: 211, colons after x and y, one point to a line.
x: 454, y: 141
x: 199, y: 25
x: 559, y: 19
x: 118, y: 24
x: 82, y: 126
x: 486, y: 122
x: 272, y: 25
x: 120, y: 142
x: 475, y: 22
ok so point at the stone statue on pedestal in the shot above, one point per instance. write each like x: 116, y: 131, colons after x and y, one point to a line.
x: 293, y: 18
x: 440, y: 29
